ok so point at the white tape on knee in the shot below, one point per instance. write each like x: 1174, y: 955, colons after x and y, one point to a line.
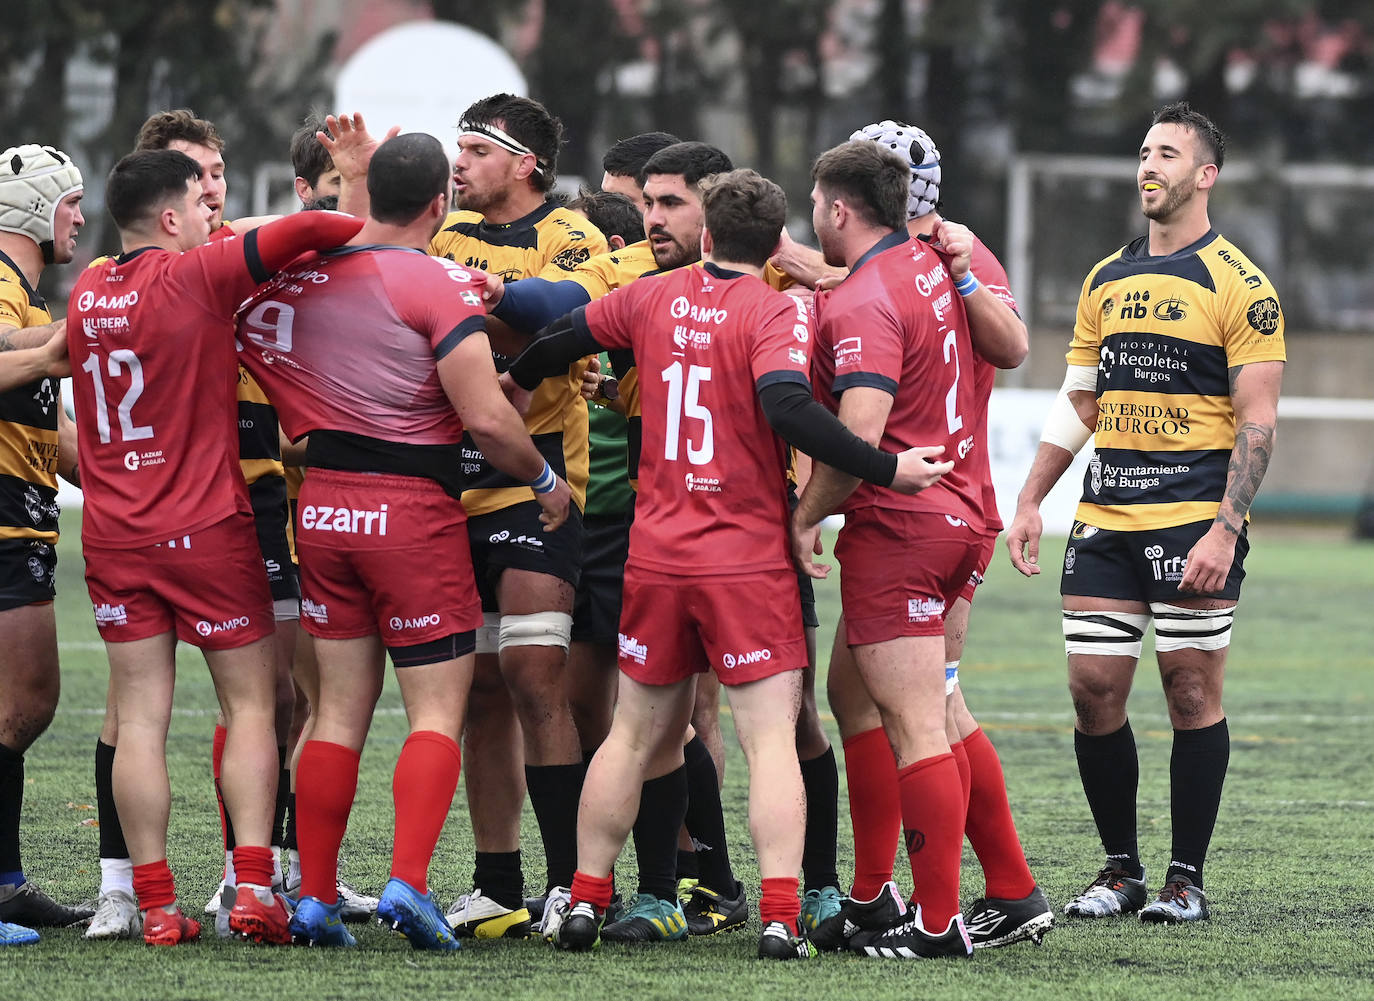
x: 536, y: 629
x: 951, y: 677
x: 489, y: 633
x: 1179, y: 628
x: 1105, y: 634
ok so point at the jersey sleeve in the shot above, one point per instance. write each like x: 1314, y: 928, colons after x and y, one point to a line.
x: 14, y: 303
x: 867, y: 343
x: 1086, y: 346
x: 595, y: 276
x: 439, y: 299
x: 781, y: 349
x: 221, y: 274
x: 568, y: 249
x: 611, y: 318
x: 989, y: 271
x: 1251, y: 319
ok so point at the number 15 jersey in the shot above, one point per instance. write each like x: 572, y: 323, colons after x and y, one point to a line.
x: 151, y: 339
x: 712, y: 472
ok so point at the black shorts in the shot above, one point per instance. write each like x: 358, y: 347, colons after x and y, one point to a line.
x: 804, y: 585
x: 27, y: 570
x: 596, y: 609
x: 270, y: 514
x: 514, y: 539
x: 1139, y: 566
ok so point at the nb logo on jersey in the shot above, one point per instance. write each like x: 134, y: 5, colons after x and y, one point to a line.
x: 1133, y: 306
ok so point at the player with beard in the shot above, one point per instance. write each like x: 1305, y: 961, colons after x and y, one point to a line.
x: 713, y: 481
x: 1175, y: 364
x: 167, y: 526
x: 40, y: 216
x: 506, y: 224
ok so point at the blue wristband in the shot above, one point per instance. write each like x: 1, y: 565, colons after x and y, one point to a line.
x: 546, y: 482
x: 967, y: 285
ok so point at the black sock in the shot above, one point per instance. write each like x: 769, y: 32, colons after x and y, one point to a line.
x: 111, y: 832
x: 1197, y: 769
x: 687, y: 865
x: 554, y: 794
x: 11, y: 806
x: 1110, y: 772
x: 499, y: 876
x: 706, y: 819
x: 283, y: 791
x: 821, y: 778
x: 662, y: 805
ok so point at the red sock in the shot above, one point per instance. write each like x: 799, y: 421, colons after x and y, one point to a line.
x: 253, y: 864
x: 153, y: 885
x: 874, y: 810
x: 780, y: 902
x: 965, y: 771
x: 216, y: 766
x: 989, y: 826
x: 422, y: 789
x: 934, y: 828
x: 594, y: 890
x: 326, y: 781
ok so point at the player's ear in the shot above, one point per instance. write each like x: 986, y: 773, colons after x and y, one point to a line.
x: 616, y: 242
x: 706, y: 242
x: 1207, y: 176
x: 526, y: 166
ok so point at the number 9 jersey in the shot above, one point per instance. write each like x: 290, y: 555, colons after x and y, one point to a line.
x: 154, y: 373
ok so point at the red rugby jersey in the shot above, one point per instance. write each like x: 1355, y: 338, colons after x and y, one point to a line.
x: 896, y: 324
x: 712, y: 472
x: 348, y: 340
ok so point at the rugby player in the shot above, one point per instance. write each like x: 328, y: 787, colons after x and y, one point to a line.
x: 1175, y: 363
x: 167, y: 526
x: 386, y: 418
x: 705, y: 898
x: 893, y: 356
x: 731, y: 357
x: 1013, y: 907
x: 40, y: 216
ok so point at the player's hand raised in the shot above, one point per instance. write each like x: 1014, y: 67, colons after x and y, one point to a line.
x: 955, y: 241
x: 350, y: 145
x: 555, y: 504
x: 916, y: 469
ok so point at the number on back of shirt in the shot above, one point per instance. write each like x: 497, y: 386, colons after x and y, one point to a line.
x: 683, y: 402
x: 115, y: 364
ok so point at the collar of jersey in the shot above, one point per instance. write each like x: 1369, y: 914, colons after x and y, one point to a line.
x: 344, y: 251
x: 722, y: 273
x: 894, y: 239
x: 1192, y: 248
x: 34, y: 298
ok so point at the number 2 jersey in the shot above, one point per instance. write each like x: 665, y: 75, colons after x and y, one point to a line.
x: 151, y: 341
x: 896, y: 324
x: 712, y: 472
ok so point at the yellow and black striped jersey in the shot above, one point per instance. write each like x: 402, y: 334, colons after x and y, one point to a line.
x: 28, y: 426
x: 1163, y: 333
x: 259, y: 442
x: 550, y: 243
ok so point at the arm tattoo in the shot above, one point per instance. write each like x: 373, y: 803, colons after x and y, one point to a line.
x: 1249, y: 462
x: 6, y: 338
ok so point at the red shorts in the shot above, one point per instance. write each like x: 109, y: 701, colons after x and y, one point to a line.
x: 900, y: 570
x: 383, y: 554
x: 209, y: 586
x: 987, y: 548
x: 745, y: 626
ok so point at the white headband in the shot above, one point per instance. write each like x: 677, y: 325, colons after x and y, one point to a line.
x: 505, y: 140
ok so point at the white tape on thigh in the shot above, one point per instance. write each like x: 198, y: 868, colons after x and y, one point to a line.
x: 1105, y: 634
x: 489, y: 633
x: 951, y: 677
x: 1191, y: 628
x: 286, y: 609
x: 536, y: 629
